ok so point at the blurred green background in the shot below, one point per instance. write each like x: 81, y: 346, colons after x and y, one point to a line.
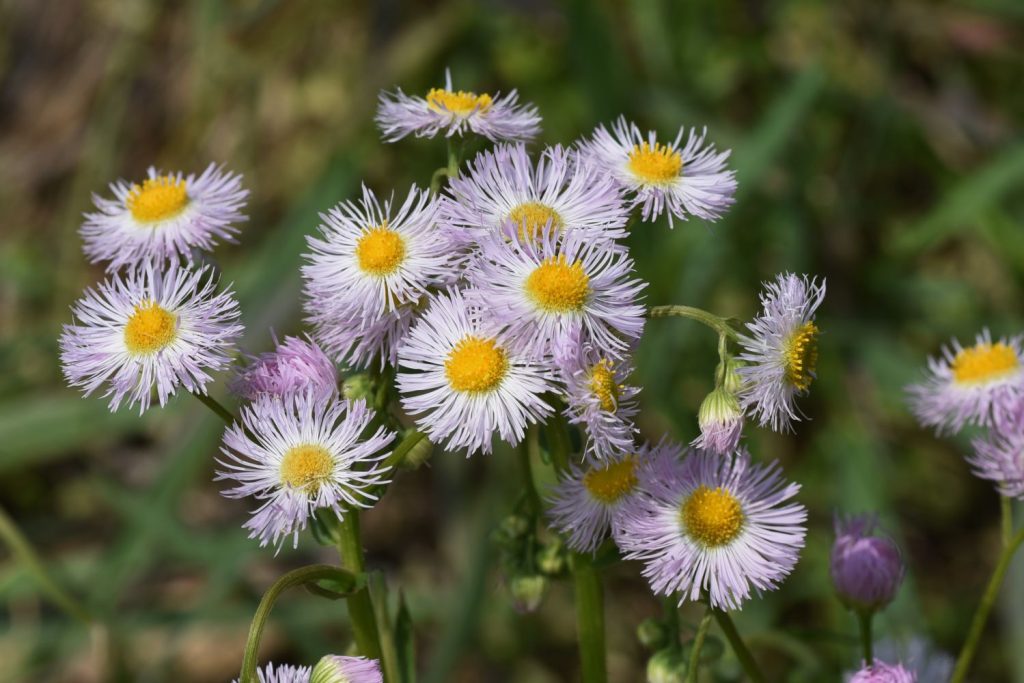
x: 877, y: 144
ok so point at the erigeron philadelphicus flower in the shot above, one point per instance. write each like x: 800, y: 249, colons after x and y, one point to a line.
x: 338, y: 669
x: 150, y: 330
x: 456, y: 112
x: 781, y: 352
x: 560, y: 191
x: 999, y: 455
x: 283, y: 673
x: 462, y: 381
x: 969, y: 385
x: 558, y: 288
x: 295, y: 365
x: 917, y: 655
x: 598, y: 398
x: 164, y: 217
x: 719, y: 525
x: 867, y: 569
x: 881, y: 672
x: 586, y: 504
x: 300, y: 453
x: 682, y: 181
x: 720, y: 419
x: 373, y: 259
x: 352, y: 339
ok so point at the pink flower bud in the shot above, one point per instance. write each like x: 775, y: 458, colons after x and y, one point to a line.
x: 866, y: 569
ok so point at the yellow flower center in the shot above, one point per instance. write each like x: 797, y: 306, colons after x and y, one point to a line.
x: 602, y: 383
x: 150, y: 328
x: 462, y: 103
x: 712, y: 517
x: 157, y: 199
x: 306, y: 467
x: 984, y: 362
x: 532, y: 217
x: 609, y: 483
x: 657, y: 164
x: 476, y: 365
x: 380, y: 251
x: 557, y: 286
x: 801, y: 356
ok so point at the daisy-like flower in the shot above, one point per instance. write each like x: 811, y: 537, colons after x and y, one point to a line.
x: 550, y: 291
x: 881, y: 672
x: 456, y: 112
x: 969, y: 385
x: 781, y: 352
x: 150, y: 329
x: 353, y: 340
x: 300, y: 453
x: 283, y: 673
x: 715, y: 524
x: 338, y: 669
x: 373, y: 259
x: 682, y: 181
x: 598, y: 398
x: 999, y: 455
x: 587, y: 504
x: 561, y: 192
x: 293, y: 366
x: 164, y: 217
x: 931, y: 665
x: 463, y: 382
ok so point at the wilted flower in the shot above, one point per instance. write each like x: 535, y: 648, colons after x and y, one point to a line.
x: 292, y: 367
x: 866, y: 569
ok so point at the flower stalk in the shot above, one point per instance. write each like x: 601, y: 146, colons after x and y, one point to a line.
x: 589, y: 619
x: 717, y: 323
x: 360, y: 606
x: 747, y: 660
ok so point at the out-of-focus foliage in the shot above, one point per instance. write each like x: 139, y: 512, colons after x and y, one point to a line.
x: 878, y: 144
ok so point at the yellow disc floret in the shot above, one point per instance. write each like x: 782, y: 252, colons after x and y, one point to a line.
x: 532, y: 217
x: 800, y: 355
x: 557, y: 286
x: 460, y: 102
x: 306, y: 467
x: 157, y: 199
x: 655, y: 164
x: 150, y: 328
x: 380, y: 250
x: 602, y: 383
x: 609, y: 483
x: 984, y: 362
x: 712, y: 517
x: 476, y: 365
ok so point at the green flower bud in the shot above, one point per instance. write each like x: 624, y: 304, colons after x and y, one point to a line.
x: 652, y: 633
x: 527, y: 592
x: 551, y: 559
x: 667, y: 666
x: 357, y: 386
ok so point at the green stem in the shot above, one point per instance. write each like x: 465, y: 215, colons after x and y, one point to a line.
x: 397, y: 457
x: 988, y: 599
x: 559, y: 443
x: 389, y: 659
x: 23, y: 552
x: 1006, y: 510
x: 736, y: 642
x: 360, y: 606
x: 524, y: 451
x: 218, y: 410
x: 698, y: 645
x: 713, y: 321
x: 864, y: 618
x: 453, y: 160
x: 297, y: 577
x: 589, y: 618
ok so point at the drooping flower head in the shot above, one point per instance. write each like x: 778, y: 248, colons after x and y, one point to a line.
x: 338, y: 669
x: 721, y: 422
x: 677, y: 179
x: 560, y: 191
x: 559, y: 288
x: 283, y: 673
x: 456, y: 112
x: 294, y: 366
x: 300, y: 453
x: 971, y: 385
x: 781, y: 352
x: 150, y: 330
x: 880, y: 672
x: 867, y: 569
x: 715, y: 524
x: 999, y: 455
x: 462, y: 380
x: 164, y: 217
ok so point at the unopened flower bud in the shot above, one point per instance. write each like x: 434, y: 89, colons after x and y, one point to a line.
x: 880, y: 672
x: 337, y: 669
x: 667, y: 666
x: 295, y: 366
x: 358, y: 386
x: 721, y: 423
x: 527, y: 592
x: 728, y: 376
x: 652, y: 633
x: 867, y: 570
x: 515, y: 526
x: 551, y: 559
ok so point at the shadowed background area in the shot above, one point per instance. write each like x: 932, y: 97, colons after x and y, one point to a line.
x: 877, y: 144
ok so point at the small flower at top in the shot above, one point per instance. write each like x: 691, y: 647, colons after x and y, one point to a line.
x: 282, y: 673
x: 881, y: 672
x: 300, y: 453
x: 456, y: 112
x: 999, y: 455
x: 685, y: 181
x: 338, y: 669
x: 781, y: 352
x: 867, y: 569
x: 969, y: 385
x: 164, y: 217
x: 150, y: 329
x: 720, y: 419
x: 295, y: 365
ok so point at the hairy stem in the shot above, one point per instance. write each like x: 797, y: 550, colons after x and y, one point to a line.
x: 713, y: 321
x: 736, y: 643
x: 589, y: 619
x: 360, y: 606
x: 698, y: 645
x: 218, y: 410
x: 1006, y: 510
